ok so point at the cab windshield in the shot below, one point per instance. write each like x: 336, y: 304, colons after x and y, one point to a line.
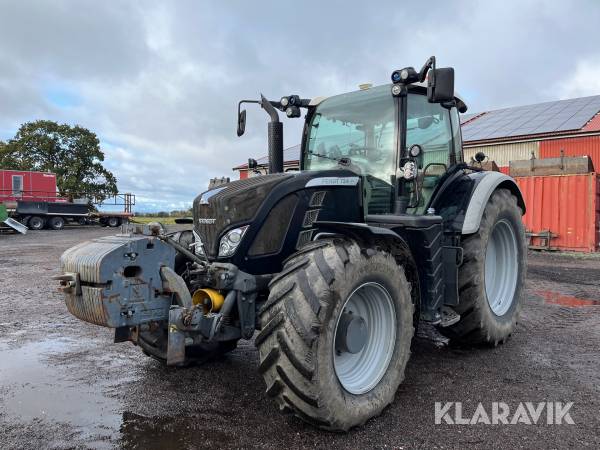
x: 357, y: 129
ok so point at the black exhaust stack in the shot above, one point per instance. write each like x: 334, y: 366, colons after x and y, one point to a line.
x: 275, y: 136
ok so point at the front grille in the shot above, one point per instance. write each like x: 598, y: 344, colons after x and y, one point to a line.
x: 310, y: 217
x: 304, y: 238
x: 317, y: 199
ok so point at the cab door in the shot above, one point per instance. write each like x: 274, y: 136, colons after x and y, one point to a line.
x: 436, y: 129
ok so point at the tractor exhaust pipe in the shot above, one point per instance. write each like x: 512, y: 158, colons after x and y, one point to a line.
x: 275, y: 136
x: 275, y: 130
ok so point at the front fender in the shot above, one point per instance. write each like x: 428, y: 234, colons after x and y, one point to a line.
x: 370, y: 236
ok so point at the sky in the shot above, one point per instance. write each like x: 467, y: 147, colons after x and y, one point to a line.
x: 159, y: 82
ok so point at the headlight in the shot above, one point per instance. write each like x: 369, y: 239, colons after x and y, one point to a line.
x: 198, y: 245
x: 231, y: 240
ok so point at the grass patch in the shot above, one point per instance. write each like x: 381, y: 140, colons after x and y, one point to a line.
x: 163, y: 220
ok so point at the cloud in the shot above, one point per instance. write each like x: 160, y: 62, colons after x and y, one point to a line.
x: 585, y: 80
x: 159, y: 82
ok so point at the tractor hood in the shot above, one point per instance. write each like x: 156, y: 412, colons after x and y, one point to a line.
x: 226, y: 207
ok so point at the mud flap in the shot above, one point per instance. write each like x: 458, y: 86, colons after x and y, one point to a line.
x: 176, y: 341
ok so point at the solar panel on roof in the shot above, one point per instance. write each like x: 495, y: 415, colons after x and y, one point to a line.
x: 546, y: 117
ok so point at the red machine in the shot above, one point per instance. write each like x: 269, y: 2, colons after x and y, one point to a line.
x: 24, y: 185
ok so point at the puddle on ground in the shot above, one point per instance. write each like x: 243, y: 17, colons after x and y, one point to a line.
x: 556, y: 298
x: 38, y: 390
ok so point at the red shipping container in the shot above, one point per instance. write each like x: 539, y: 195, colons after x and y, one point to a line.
x: 579, y: 146
x: 567, y: 205
x: 27, y: 185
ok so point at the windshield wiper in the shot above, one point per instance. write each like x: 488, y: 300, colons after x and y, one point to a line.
x: 343, y: 161
x: 325, y: 156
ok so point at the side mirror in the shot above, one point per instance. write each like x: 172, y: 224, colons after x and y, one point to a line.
x: 241, y: 127
x: 415, y: 150
x: 479, y: 157
x: 440, y: 86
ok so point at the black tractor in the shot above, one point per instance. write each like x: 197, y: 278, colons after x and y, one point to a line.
x: 331, y: 268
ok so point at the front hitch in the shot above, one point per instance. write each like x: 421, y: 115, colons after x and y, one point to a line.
x: 127, y: 282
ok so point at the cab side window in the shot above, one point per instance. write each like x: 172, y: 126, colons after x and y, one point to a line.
x: 456, y: 132
x: 429, y: 125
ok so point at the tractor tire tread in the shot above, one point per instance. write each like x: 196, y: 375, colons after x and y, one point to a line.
x: 292, y: 319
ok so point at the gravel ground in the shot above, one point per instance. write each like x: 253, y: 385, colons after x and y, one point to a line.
x: 65, y: 384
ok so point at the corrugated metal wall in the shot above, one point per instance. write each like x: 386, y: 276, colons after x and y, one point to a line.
x: 580, y: 146
x: 503, y: 153
x: 568, y: 205
x: 593, y: 124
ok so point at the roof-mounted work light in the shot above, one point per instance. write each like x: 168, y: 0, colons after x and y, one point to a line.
x: 407, y: 75
x: 292, y: 111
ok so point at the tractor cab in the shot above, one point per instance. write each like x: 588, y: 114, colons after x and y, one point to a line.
x: 360, y: 131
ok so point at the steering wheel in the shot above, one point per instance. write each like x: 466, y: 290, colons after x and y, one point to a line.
x: 356, y: 150
x: 334, y: 152
x: 374, y: 154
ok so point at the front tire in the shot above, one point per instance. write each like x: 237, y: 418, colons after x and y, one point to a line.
x: 324, y: 291
x: 492, y: 275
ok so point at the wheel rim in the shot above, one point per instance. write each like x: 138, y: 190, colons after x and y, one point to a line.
x: 361, y: 371
x: 501, y: 267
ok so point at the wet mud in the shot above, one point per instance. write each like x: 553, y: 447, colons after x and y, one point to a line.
x: 65, y: 384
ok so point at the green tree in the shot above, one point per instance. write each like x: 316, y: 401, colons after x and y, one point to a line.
x: 7, y: 158
x: 71, y: 152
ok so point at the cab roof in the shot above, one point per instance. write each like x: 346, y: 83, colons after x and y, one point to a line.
x: 414, y: 86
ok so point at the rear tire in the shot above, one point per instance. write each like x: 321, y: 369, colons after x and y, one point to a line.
x: 492, y: 275
x: 113, y: 222
x: 37, y: 223
x: 300, y: 356
x: 57, y: 223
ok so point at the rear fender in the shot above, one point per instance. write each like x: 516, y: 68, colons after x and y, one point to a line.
x: 486, y: 184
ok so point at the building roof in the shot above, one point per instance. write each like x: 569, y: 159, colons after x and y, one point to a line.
x: 290, y: 155
x: 557, y: 117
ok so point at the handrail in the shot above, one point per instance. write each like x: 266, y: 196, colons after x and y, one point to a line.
x: 120, y: 199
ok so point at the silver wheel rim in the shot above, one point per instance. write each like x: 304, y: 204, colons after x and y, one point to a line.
x: 501, y: 267
x: 360, y: 372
